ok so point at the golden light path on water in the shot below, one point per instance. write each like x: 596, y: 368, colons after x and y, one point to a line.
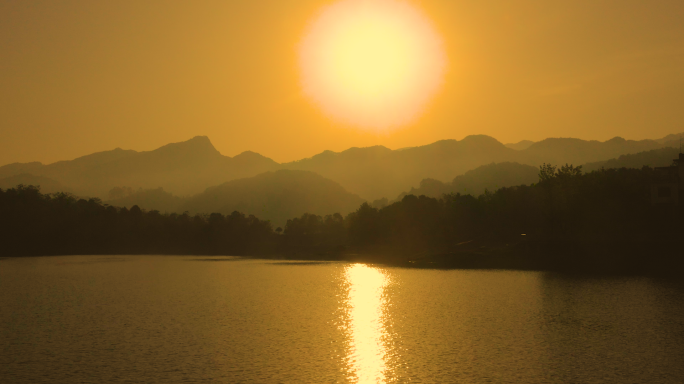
x: 366, y: 304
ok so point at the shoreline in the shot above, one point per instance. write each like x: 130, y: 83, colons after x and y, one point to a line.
x: 571, y: 263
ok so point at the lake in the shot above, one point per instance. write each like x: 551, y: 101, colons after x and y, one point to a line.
x: 167, y: 319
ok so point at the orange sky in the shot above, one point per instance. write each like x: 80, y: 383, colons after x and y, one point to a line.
x: 83, y: 76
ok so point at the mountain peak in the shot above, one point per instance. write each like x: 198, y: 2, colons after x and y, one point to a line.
x: 616, y: 140
x: 249, y: 154
x: 200, y: 141
x: 200, y: 145
x: 481, y: 140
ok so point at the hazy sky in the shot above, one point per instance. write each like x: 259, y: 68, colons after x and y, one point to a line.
x: 83, y: 76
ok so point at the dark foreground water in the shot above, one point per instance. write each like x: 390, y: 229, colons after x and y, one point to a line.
x: 156, y: 319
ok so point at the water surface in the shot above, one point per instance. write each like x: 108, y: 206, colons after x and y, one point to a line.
x: 198, y: 319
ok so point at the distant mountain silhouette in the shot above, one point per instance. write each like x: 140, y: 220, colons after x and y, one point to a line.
x: 188, y: 168
x: 181, y: 168
x: 275, y: 196
x: 46, y: 184
x: 655, y: 158
x: 671, y: 140
x: 16, y: 169
x: 474, y: 182
x: 576, y: 151
x: 521, y: 145
x: 377, y: 172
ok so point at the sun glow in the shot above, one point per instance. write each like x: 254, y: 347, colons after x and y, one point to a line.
x: 371, y: 63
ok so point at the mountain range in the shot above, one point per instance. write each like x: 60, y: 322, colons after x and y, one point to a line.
x: 194, y: 176
x: 183, y: 168
x: 654, y: 158
x: 377, y: 172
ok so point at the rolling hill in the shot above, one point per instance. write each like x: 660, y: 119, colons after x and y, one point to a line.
x: 576, y: 151
x: 655, y: 158
x: 275, y: 196
x: 474, y: 182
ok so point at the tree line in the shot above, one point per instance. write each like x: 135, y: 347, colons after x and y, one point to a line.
x: 32, y: 223
x: 567, y: 216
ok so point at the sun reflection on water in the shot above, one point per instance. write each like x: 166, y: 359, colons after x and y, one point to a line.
x: 366, y: 304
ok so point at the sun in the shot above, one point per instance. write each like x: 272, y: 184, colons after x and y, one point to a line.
x: 374, y: 64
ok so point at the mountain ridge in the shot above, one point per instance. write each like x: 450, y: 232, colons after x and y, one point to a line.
x: 189, y: 167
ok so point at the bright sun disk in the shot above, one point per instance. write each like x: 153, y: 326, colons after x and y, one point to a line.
x: 371, y: 63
